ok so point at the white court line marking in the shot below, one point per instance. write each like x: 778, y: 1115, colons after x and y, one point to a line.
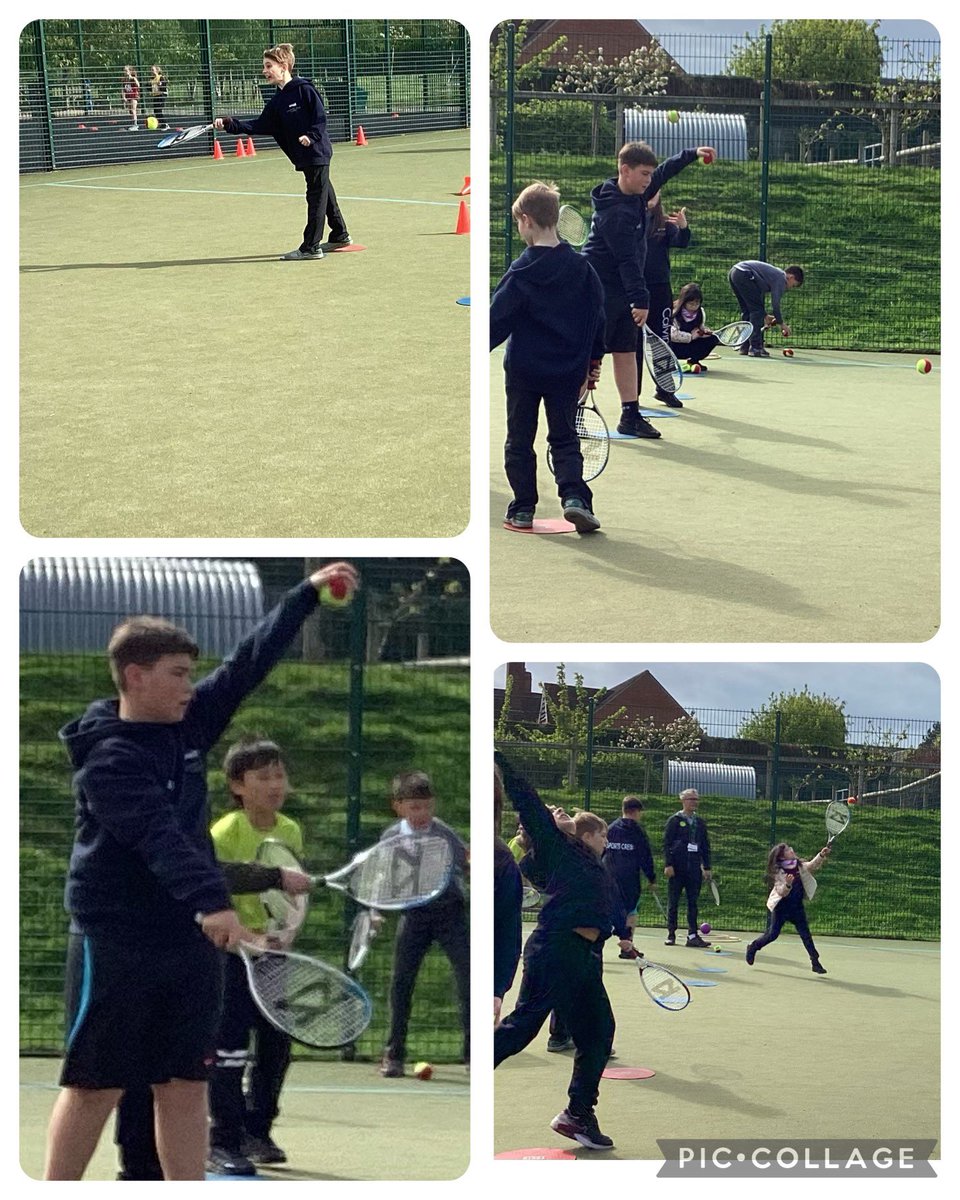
x: 96, y: 187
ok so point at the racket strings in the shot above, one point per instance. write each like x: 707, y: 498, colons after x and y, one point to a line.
x: 662, y: 363
x: 594, y: 441
x: 663, y: 987
x: 392, y: 874
x: 571, y: 226
x: 309, y: 1001
x: 734, y: 334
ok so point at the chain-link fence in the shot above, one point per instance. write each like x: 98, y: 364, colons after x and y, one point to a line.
x: 839, y: 173
x: 365, y: 692
x: 758, y: 789
x: 75, y: 110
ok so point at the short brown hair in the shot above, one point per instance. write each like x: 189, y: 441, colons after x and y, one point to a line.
x: 282, y: 55
x: 412, y: 785
x: 540, y: 202
x: 588, y: 822
x: 632, y: 804
x: 250, y: 753
x: 144, y: 641
x: 636, y: 154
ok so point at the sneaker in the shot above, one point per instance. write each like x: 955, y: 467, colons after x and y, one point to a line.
x: 584, y: 1130
x: 761, y: 353
x: 635, y: 425
x: 558, y: 1045
x: 670, y: 939
x: 226, y: 1162
x: 751, y: 954
x: 668, y: 399
x: 520, y: 520
x: 818, y: 968
x: 697, y: 942
x: 577, y: 513
x: 392, y: 1068
x: 611, y: 1054
x: 341, y: 239
x: 299, y: 255
x: 133, y: 129
x: 744, y: 349
x: 263, y: 1150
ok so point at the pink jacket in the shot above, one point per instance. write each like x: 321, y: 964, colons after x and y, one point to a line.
x: 780, y: 888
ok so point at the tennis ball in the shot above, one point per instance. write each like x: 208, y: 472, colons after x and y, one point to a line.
x: 788, y: 352
x: 673, y: 116
x: 717, y: 950
x: 423, y: 1070
x: 705, y: 927
x: 851, y: 799
x: 696, y: 369
x: 334, y: 594
x: 152, y: 122
x: 706, y: 158
x: 924, y: 366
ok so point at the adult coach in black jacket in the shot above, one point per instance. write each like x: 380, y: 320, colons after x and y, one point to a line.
x: 295, y: 118
x: 143, y: 996
x: 686, y: 852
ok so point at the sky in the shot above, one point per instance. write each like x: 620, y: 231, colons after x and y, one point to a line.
x: 893, y: 690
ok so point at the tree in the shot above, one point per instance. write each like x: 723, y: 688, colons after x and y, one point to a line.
x: 806, y: 720
x: 526, y: 73
x: 570, y: 718
x: 828, y: 51
x: 644, y: 71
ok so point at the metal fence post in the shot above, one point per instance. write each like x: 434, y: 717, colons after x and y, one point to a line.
x: 765, y: 144
x: 588, y: 768
x: 45, y: 96
x: 775, y: 775
x: 358, y: 655
x: 350, y: 50
x: 206, y: 67
x: 508, y: 151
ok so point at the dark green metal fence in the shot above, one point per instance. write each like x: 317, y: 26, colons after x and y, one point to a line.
x: 366, y: 692
x: 839, y: 176
x: 388, y: 76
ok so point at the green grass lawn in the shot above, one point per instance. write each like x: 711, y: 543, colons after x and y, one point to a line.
x: 411, y: 719
x: 177, y: 379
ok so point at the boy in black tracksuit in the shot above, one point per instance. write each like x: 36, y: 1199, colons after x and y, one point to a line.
x: 144, y: 983
x: 686, y: 852
x: 507, y: 907
x: 628, y: 856
x: 616, y: 248
x: 295, y: 118
x: 549, y: 310
x: 561, y: 962
x: 663, y: 234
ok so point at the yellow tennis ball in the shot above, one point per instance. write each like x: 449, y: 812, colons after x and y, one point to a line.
x: 924, y: 366
x: 673, y: 116
x: 152, y: 122
x: 423, y: 1070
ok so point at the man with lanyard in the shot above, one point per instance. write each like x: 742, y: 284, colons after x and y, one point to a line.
x: 686, y: 853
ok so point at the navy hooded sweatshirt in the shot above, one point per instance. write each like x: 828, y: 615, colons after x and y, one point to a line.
x: 616, y: 246
x: 143, y: 863
x: 549, y: 309
x: 293, y: 110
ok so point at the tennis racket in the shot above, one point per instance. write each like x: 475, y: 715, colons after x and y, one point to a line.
x: 661, y: 362
x: 183, y: 135
x: 659, y: 904
x: 285, y: 913
x: 734, y: 334
x: 593, y: 434
x: 714, y: 891
x: 571, y: 226
x: 531, y: 897
x: 837, y: 818
x: 363, y: 933
x: 662, y: 986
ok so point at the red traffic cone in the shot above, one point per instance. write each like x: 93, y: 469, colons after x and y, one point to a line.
x: 463, y: 218
x: 465, y: 190
x: 361, y: 136
x: 241, y: 153
x: 217, y: 149
x: 251, y: 148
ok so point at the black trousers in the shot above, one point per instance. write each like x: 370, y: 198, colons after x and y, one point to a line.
x: 563, y: 972
x: 697, y: 350
x: 446, y: 924
x: 519, y: 456
x: 794, y: 912
x: 659, y: 319
x: 321, y: 206
x: 688, y: 882
x: 751, y: 297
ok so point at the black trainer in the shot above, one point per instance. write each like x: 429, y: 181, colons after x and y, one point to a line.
x: 584, y: 1130
x: 520, y: 520
x: 761, y: 353
x: 697, y: 942
x: 263, y: 1150
x: 302, y: 255
x: 751, y: 954
x: 744, y: 349
x: 818, y: 968
x: 670, y: 939
x: 668, y: 399
x: 632, y: 424
x: 341, y: 239
x: 392, y: 1068
x: 577, y: 513
x: 226, y: 1162
x: 558, y: 1045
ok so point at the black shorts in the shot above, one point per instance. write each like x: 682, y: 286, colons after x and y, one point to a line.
x: 622, y: 330
x: 140, y: 1014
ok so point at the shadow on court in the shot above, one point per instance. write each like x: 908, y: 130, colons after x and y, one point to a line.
x: 27, y: 269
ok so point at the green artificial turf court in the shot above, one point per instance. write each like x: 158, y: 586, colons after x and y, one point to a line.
x: 338, y: 1121
x: 772, y: 1051
x: 178, y: 380
x: 790, y: 500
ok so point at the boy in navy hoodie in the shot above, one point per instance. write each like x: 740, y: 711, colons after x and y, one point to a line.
x: 616, y: 248
x: 549, y: 310
x: 143, y: 978
x: 295, y: 118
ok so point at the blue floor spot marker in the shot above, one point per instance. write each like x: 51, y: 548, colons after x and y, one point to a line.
x: 211, y: 1177
x: 700, y: 982
x: 465, y: 301
x: 658, y: 412
x: 714, y: 970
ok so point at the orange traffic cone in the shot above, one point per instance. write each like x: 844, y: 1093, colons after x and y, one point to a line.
x: 463, y: 218
x: 241, y: 153
x: 361, y: 136
x: 465, y: 190
x: 217, y: 149
x: 251, y: 148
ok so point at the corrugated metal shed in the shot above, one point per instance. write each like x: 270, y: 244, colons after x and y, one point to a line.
x: 712, y: 779
x: 726, y: 132
x: 73, y: 604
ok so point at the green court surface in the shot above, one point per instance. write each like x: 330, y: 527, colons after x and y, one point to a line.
x: 338, y: 1121
x: 773, y: 1051
x: 178, y: 380
x: 791, y: 500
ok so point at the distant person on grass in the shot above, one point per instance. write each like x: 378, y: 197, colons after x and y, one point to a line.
x: 686, y: 852
x: 144, y: 979
x: 791, y: 882
x: 548, y: 308
x: 752, y: 281
x: 690, y: 338
x: 130, y: 88
x: 296, y: 119
x: 616, y: 248
x: 663, y: 233
x: 158, y: 94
